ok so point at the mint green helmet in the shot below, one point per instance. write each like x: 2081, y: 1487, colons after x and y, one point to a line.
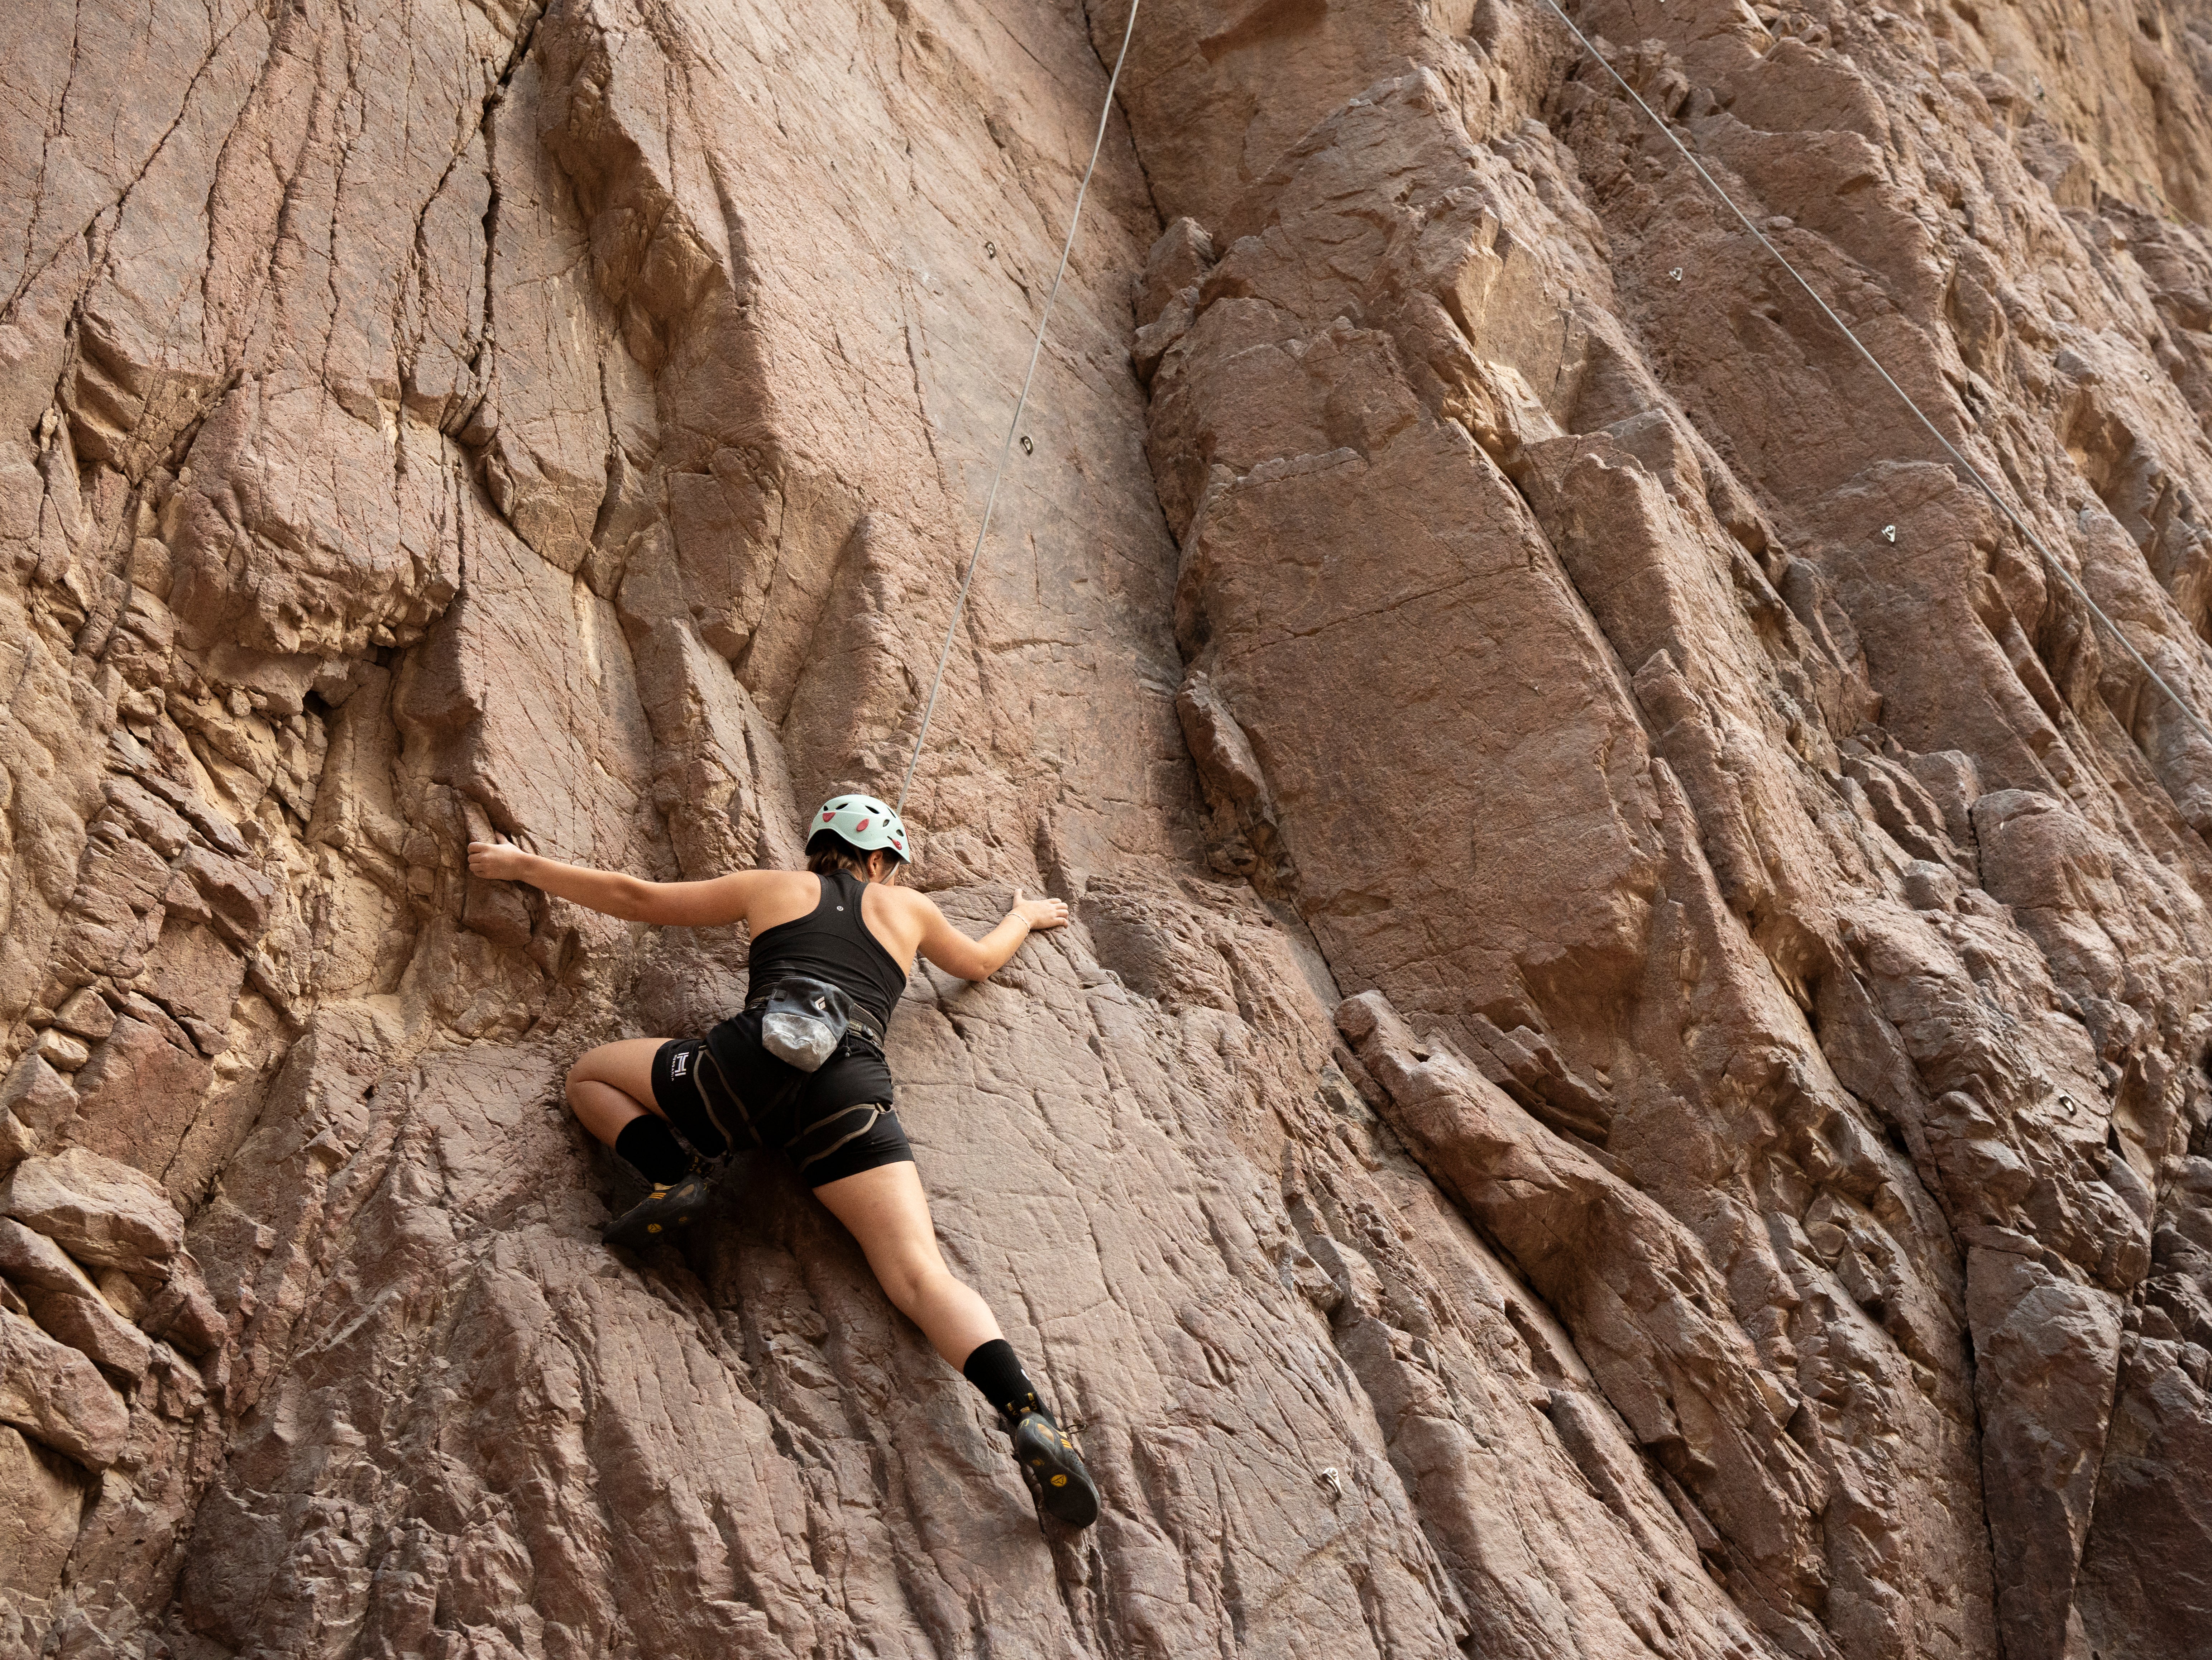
x: 863, y: 821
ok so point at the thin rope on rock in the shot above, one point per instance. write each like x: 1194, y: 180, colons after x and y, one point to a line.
x: 1973, y: 472
x: 1013, y: 426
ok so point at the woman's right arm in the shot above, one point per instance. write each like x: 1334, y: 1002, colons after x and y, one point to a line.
x: 979, y: 959
x: 611, y: 893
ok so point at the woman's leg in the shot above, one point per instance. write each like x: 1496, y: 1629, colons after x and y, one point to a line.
x: 888, y: 1213
x: 612, y: 1085
x: 610, y: 1090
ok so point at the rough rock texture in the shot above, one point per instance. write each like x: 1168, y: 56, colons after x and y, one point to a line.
x: 1630, y: 1075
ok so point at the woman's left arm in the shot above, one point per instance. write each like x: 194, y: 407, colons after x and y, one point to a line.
x: 612, y: 893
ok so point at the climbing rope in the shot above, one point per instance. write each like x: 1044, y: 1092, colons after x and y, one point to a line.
x: 1973, y: 472
x: 1013, y: 426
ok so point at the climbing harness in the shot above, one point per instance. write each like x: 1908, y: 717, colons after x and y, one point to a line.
x: 1013, y: 426
x: 1889, y: 531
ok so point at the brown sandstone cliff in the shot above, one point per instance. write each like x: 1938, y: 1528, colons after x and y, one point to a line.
x: 1631, y: 1074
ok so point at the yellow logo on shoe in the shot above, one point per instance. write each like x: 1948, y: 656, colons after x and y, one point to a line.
x: 652, y: 1227
x: 1059, y: 1480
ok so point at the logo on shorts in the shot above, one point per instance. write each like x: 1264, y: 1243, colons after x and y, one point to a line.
x: 678, y: 1067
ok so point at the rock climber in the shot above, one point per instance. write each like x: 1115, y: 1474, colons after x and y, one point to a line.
x: 671, y: 1108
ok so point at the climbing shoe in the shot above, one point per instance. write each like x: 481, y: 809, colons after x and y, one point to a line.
x: 1053, y: 1468
x: 657, y: 1216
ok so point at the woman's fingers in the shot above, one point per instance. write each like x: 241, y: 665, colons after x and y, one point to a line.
x: 1041, y: 913
x: 484, y: 857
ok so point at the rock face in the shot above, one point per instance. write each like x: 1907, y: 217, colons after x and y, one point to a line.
x: 1630, y: 1076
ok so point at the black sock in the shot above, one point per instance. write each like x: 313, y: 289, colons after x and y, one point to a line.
x: 651, y: 1149
x: 993, y: 1369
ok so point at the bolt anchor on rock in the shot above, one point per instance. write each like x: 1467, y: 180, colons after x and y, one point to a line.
x: 1889, y: 532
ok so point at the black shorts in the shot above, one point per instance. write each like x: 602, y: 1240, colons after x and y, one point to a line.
x: 724, y: 1092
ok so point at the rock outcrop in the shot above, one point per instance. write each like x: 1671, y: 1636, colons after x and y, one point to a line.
x: 1630, y: 1076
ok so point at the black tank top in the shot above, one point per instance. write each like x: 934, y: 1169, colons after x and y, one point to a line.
x: 833, y: 944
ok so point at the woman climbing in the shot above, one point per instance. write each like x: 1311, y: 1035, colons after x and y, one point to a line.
x: 829, y: 946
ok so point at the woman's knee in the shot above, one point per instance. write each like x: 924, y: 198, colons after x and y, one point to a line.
x: 582, y: 1072
x: 915, y: 1279
x: 624, y: 1064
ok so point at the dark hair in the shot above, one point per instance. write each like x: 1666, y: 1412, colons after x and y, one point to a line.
x: 826, y: 851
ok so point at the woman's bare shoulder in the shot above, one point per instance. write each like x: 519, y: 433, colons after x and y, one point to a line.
x: 787, y: 881
x: 777, y: 896
x: 905, y: 901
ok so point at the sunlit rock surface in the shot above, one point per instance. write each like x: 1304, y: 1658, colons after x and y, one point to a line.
x: 1629, y: 1077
